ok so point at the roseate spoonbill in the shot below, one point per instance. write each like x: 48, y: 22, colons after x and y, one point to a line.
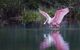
x: 54, y: 37
x: 58, y: 16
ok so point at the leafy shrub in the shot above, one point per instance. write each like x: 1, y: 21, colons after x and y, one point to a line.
x: 31, y: 16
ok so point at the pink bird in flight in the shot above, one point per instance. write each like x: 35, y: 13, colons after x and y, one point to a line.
x: 58, y: 16
x: 54, y: 37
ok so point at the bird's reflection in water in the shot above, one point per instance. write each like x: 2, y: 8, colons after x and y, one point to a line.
x: 56, y: 39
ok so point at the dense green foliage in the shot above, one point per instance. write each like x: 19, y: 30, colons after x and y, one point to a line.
x: 29, y: 16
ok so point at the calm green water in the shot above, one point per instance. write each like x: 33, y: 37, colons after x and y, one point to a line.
x: 20, y: 38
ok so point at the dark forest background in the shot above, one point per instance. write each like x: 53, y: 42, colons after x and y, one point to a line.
x: 13, y: 12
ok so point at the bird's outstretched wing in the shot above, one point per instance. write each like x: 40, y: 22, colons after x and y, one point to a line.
x: 44, y: 14
x: 59, y: 15
x: 48, y: 18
